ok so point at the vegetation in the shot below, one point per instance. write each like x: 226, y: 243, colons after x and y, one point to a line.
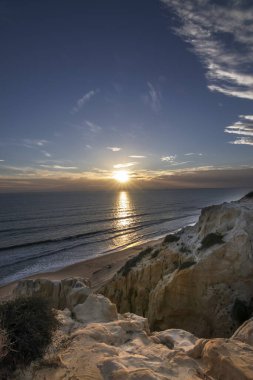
x: 184, y: 249
x: 186, y: 264
x: 134, y: 261
x: 211, y: 239
x: 28, y: 323
x: 155, y: 253
x: 249, y: 195
x: 171, y: 238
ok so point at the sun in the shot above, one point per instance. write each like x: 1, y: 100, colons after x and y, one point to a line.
x: 121, y: 176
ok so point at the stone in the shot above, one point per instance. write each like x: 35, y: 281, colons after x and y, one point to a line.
x: 245, y: 332
x: 96, y: 308
x: 62, y: 294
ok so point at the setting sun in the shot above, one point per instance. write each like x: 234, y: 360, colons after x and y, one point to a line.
x: 121, y: 176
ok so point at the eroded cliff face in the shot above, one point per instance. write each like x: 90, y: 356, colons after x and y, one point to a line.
x: 94, y: 342
x: 200, y: 280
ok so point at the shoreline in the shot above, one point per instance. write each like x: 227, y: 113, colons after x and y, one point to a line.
x: 98, y: 269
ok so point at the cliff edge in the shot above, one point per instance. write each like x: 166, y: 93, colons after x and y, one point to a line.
x: 199, y: 280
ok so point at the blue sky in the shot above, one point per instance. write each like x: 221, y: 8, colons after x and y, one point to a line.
x: 161, y: 90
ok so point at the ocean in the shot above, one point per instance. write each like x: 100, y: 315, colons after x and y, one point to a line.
x: 42, y: 232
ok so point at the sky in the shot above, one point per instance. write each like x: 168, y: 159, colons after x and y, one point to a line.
x: 162, y: 89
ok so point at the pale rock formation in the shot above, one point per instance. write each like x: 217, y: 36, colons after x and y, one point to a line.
x: 96, y: 308
x: 62, y: 294
x: 245, y: 332
x: 125, y: 349
x: 104, y: 345
x: 202, y: 282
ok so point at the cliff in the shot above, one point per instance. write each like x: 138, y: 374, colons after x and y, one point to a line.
x: 199, y: 280
x: 94, y: 342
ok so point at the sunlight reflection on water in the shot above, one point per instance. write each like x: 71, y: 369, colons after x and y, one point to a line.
x: 124, y: 217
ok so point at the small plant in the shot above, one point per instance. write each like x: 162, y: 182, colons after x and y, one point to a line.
x: 249, y: 195
x: 211, y: 239
x: 186, y: 264
x: 29, y: 323
x: 155, y: 253
x: 134, y: 261
x: 184, y: 249
x: 171, y: 238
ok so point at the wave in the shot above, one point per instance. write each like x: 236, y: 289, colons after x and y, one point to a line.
x: 90, y: 234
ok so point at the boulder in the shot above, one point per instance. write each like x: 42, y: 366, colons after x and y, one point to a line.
x: 245, y: 332
x: 228, y: 359
x: 96, y: 308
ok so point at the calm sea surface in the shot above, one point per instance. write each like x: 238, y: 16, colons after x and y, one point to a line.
x: 42, y: 232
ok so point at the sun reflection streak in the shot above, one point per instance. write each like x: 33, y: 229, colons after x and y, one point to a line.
x: 123, y: 209
x: 124, y: 219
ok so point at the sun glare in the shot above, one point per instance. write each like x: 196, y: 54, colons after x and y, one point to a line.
x: 121, y: 176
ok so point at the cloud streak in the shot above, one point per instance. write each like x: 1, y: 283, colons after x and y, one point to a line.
x: 113, y: 148
x: 243, y: 127
x: 58, y: 167
x: 83, y: 100
x: 94, y: 128
x: 126, y: 165
x: 153, y: 97
x: 170, y: 158
x: 222, y: 37
x: 137, y: 156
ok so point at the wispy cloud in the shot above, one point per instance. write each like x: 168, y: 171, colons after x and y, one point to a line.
x: 83, y: 100
x: 222, y: 36
x: 94, y: 128
x: 153, y: 97
x: 169, y: 158
x: 137, y: 156
x: 59, y: 167
x: 193, y: 154
x: 126, y: 165
x: 29, y: 143
x: 46, y: 154
x: 114, y: 148
x: 242, y: 141
x: 2, y: 160
x: 243, y: 127
x: 180, y: 163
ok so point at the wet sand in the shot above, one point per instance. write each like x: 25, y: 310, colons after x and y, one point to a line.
x: 98, y: 270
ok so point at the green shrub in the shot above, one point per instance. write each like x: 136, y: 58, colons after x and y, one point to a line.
x: 171, y: 238
x: 134, y: 261
x: 211, y: 239
x: 29, y: 323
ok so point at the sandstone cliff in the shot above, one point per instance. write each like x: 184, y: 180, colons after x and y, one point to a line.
x: 118, y: 347
x: 200, y: 279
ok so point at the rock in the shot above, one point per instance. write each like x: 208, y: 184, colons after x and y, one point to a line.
x: 104, y: 345
x: 62, y: 294
x: 196, y: 283
x: 245, y: 332
x: 96, y: 308
x: 228, y: 360
x: 120, y: 349
x: 176, y: 339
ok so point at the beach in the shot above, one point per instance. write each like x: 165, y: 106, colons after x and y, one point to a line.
x: 98, y: 270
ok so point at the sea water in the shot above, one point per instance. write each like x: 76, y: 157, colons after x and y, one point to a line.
x: 41, y: 232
